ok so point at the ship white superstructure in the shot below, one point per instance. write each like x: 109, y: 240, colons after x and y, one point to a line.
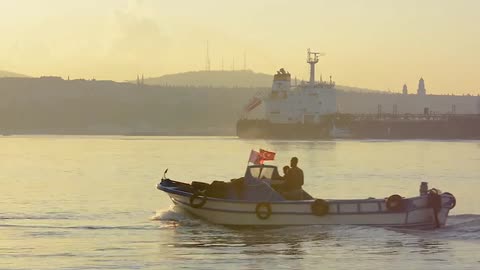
x: 303, y: 103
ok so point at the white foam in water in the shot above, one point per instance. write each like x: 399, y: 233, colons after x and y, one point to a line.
x: 175, y: 214
x: 464, y: 227
x: 463, y: 220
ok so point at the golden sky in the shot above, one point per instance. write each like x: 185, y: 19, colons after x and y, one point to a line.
x: 378, y: 44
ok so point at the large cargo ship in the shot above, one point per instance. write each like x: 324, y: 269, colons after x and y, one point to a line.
x: 309, y: 110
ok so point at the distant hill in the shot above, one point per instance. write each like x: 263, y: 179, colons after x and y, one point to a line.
x: 51, y: 105
x: 227, y: 79
x: 8, y: 74
x: 358, y: 89
x: 243, y: 78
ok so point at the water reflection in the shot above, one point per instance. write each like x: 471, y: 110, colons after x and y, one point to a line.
x: 415, y: 241
x: 250, y: 241
x: 430, y: 246
x: 298, y: 242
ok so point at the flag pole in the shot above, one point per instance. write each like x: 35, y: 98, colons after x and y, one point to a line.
x: 248, y: 161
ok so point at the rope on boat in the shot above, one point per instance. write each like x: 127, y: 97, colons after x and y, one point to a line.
x: 435, y: 201
x: 453, y: 201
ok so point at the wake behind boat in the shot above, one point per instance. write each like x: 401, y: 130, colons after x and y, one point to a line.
x: 254, y: 200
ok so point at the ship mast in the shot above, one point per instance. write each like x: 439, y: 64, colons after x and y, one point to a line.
x: 312, y: 59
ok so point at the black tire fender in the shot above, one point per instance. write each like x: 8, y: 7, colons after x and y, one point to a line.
x: 259, y: 210
x: 195, y: 196
x: 454, y: 201
x: 319, y: 207
x: 395, y: 203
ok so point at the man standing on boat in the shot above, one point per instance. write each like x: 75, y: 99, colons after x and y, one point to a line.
x: 294, y: 177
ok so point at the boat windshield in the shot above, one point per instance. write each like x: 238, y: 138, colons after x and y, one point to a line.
x: 263, y: 172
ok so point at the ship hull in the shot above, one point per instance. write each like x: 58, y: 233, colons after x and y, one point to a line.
x: 459, y: 127
x: 263, y: 129
x: 466, y: 129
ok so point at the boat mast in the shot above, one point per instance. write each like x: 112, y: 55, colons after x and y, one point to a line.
x: 312, y: 59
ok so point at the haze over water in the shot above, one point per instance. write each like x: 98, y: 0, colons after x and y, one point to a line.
x: 91, y: 202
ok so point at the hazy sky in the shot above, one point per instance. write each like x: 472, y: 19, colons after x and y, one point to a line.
x: 377, y: 44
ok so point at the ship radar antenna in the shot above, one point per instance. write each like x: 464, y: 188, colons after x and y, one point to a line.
x: 312, y: 59
x: 207, y: 62
x: 244, y: 60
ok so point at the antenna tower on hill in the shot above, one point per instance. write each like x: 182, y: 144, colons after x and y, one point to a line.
x: 207, y: 63
x: 245, y: 60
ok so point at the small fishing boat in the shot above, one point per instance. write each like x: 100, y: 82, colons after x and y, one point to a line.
x: 253, y: 201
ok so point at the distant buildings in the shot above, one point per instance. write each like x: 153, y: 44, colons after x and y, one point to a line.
x: 140, y: 82
x: 369, y: 103
x: 421, y: 91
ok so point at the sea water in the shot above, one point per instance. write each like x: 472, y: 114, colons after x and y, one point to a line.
x: 91, y: 203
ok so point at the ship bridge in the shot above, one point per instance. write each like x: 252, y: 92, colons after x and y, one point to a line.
x: 303, y: 103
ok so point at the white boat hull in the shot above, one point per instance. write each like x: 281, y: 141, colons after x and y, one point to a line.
x: 371, y: 212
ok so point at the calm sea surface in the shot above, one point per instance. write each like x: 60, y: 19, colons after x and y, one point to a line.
x: 91, y: 203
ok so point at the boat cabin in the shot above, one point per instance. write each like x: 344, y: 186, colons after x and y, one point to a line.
x: 262, y: 172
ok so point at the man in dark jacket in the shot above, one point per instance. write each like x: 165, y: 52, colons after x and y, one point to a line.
x: 294, y: 178
x: 291, y: 189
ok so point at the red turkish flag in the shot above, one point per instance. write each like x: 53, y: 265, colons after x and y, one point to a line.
x: 267, y: 155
